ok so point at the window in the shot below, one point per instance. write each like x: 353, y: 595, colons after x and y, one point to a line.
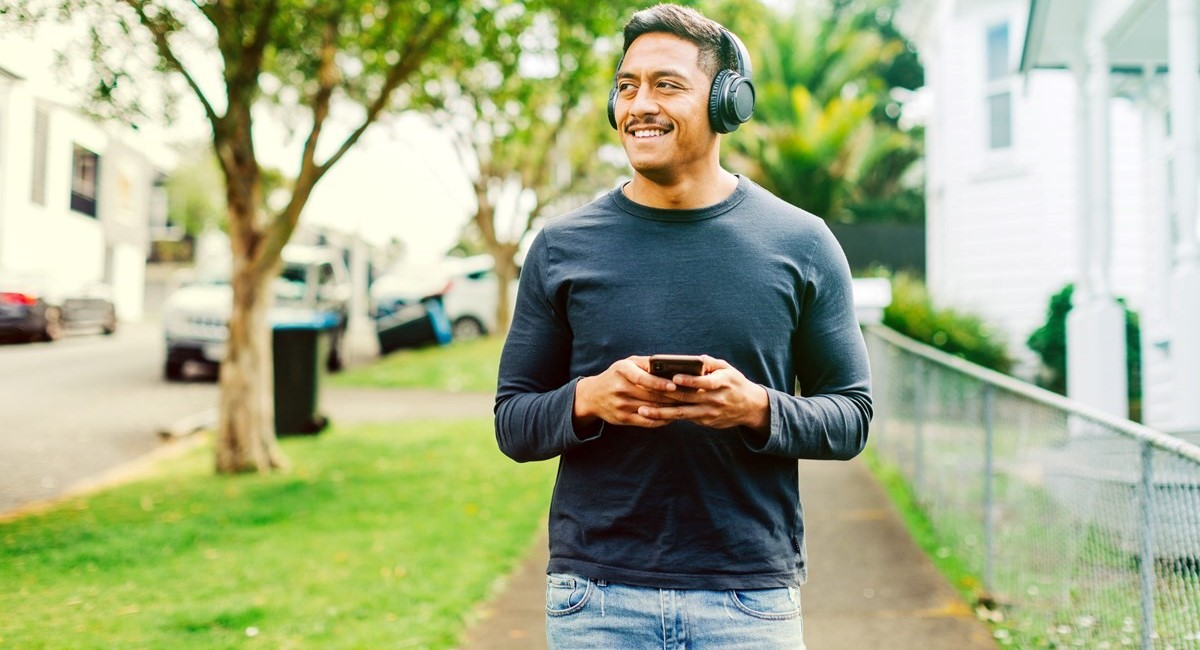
x: 85, y: 169
x: 41, y: 134
x: 999, y: 88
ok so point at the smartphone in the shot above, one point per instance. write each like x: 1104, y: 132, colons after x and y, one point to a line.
x: 669, y: 365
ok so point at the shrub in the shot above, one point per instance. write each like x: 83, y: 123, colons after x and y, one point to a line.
x: 964, y: 335
x: 1050, y: 343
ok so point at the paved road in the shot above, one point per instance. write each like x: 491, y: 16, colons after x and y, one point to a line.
x: 76, y: 408
x: 73, y: 408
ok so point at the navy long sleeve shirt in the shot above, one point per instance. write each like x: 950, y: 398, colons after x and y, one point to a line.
x: 751, y: 280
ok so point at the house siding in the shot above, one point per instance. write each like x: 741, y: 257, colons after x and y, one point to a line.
x: 66, y: 247
x: 1003, y: 225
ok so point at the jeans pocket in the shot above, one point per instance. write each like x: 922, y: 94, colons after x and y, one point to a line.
x: 566, y: 593
x: 768, y: 604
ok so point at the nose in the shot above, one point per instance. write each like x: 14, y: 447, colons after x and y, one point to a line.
x: 643, y: 102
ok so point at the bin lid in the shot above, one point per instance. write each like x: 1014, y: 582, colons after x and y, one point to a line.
x: 302, y: 319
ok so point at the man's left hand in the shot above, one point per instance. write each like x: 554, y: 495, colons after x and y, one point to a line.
x: 721, y: 398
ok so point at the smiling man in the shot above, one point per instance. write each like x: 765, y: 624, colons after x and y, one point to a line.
x: 676, y: 518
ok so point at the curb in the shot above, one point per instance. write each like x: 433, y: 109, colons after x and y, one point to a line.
x: 118, y: 475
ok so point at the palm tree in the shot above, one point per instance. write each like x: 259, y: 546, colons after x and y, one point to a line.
x: 819, y: 140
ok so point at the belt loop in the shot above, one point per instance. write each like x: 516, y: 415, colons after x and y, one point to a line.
x: 601, y: 583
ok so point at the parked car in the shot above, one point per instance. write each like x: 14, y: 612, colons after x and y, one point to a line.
x: 196, y: 316
x: 465, y: 286
x: 35, y: 309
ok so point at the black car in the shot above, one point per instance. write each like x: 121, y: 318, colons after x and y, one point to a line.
x: 29, y: 311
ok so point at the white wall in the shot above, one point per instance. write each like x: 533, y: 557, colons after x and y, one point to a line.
x: 1002, y: 234
x: 50, y: 239
x: 69, y: 248
x: 5, y: 152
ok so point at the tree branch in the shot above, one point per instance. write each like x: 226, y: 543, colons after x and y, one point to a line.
x: 406, y: 66
x: 253, y: 52
x: 485, y: 211
x: 537, y: 178
x: 160, y: 33
x: 327, y: 80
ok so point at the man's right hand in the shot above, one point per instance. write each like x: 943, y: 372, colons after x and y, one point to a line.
x: 615, y: 395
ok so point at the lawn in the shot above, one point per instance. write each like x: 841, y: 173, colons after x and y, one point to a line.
x: 462, y: 366
x: 1061, y: 581
x: 380, y: 536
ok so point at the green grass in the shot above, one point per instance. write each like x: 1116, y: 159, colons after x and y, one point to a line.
x: 922, y: 530
x: 465, y: 366
x: 1069, y: 585
x: 380, y: 536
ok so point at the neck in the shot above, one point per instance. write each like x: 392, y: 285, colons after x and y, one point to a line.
x: 682, y: 192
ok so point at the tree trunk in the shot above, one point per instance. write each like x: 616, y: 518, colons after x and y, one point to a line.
x: 506, y: 272
x: 246, y: 425
x: 246, y: 430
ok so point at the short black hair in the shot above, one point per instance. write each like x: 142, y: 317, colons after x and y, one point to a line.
x: 690, y: 25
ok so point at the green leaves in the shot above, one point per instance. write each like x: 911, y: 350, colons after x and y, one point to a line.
x: 526, y: 105
x: 819, y: 139
x: 912, y: 313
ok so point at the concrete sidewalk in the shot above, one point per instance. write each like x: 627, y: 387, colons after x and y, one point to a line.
x: 869, y: 585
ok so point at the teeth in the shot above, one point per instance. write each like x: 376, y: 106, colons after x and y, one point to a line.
x: 648, y: 134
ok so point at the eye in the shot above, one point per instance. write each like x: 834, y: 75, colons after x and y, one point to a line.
x: 623, y: 86
x: 668, y: 85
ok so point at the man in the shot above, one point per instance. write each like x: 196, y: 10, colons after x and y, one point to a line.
x: 676, y: 519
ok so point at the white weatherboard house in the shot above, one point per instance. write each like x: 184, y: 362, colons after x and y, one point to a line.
x: 76, y: 197
x: 1056, y: 154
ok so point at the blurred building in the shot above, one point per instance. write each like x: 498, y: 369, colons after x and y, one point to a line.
x: 1055, y: 156
x: 77, y: 197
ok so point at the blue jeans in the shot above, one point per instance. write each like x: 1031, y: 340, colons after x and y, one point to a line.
x: 583, y: 614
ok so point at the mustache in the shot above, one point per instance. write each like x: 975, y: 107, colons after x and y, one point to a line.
x: 648, y: 124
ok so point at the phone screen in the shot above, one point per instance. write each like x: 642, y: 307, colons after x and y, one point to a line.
x: 669, y: 365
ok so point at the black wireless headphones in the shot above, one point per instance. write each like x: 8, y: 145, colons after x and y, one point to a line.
x: 731, y: 100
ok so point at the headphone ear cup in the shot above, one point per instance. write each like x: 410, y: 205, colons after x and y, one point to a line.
x: 612, y: 107
x: 732, y: 103
x: 716, y: 101
x: 738, y: 101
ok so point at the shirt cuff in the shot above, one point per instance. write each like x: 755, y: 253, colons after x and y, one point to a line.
x: 583, y: 433
x: 765, y: 442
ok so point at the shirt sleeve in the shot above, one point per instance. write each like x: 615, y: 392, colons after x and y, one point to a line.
x: 830, y: 418
x: 535, y: 397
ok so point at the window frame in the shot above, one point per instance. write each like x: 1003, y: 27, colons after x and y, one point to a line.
x: 998, y: 85
x: 85, y: 180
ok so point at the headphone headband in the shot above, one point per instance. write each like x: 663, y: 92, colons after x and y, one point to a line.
x: 740, y: 53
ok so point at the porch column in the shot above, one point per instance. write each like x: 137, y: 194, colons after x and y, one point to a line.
x: 1157, y: 254
x: 1185, y: 278
x: 1096, y: 373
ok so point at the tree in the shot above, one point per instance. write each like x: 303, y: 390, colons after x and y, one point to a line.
x: 528, y: 118
x: 310, y: 58
x: 820, y: 138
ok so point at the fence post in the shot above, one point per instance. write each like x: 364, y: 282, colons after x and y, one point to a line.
x: 879, y: 354
x: 989, y: 464
x: 1146, y: 535
x: 919, y: 426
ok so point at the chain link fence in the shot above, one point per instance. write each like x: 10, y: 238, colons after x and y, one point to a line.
x: 1084, y: 528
